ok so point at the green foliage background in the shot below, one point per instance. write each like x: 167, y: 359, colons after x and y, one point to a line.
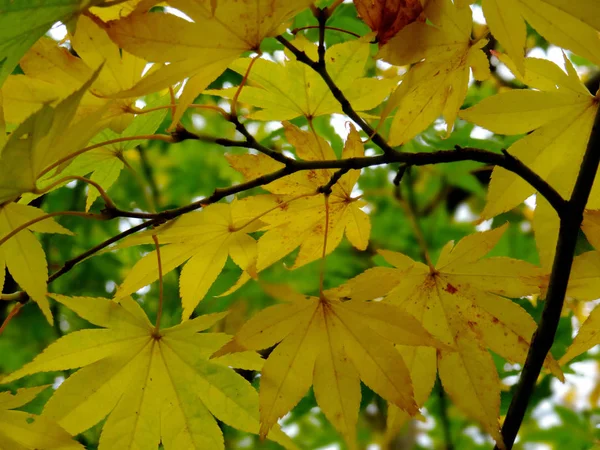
x: 170, y: 175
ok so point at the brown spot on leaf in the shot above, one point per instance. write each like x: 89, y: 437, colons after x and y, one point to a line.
x: 450, y: 289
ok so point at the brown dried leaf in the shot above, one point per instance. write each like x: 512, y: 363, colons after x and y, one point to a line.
x: 388, y: 17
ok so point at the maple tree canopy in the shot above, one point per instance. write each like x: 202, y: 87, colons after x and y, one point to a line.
x: 299, y: 224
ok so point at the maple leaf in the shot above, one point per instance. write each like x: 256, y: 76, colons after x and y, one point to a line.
x: 23, y: 23
x: 437, y: 84
x: 105, y: 163
x: 202, y: 49
x: 23, y: 431
x: 559, y: 114
x: 462, y: 303
x: 300, y: 218
x: 332, y: 345
x: 48, y: 62
x: 572, y: 25
x: 205, y: 238
x: 43, y: 139
x: 155, y: 386
x: 388, y: 17
x: 23, y: 255
x: 291, y: 89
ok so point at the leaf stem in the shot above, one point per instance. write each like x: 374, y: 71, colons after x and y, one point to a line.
x: 107, y: 200
x: 13, y: 312
x: 158, y: 137
x: 14, y: 296
x: 160, y: 286
x: 234, y: 100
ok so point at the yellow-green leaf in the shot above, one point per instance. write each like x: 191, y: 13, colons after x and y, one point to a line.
x: 23, y: 255
x: 205, y: 238
x: 437, y: 84
x: 152, y: 387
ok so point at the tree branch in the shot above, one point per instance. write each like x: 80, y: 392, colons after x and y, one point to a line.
x: 570, y: 223
x: 413, y: 159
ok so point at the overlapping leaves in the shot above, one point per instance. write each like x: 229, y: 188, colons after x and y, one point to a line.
x: 572, y: 25
x: 154, y: 385
x: 291, y: 89
x: 442, y: 52
x: 296, y: 214
x: 559, y: 114
x: 201, y: 50
x: 23, y: 431
x: 462, y: 303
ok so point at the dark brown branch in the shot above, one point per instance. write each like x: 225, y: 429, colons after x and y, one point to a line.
x: 570, y: 223
x: 326, y: 189
x: 413, y: 159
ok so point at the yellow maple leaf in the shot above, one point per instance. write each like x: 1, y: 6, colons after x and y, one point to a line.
x: 48, y: 65
x: 437, y: 84
x: 23, y: 255
x: 332, y: 345
x: 42, y: 140
x: 206, y: 238
x: 202, y: 49
x: 559, y: 115
x: 300, y: 218
x: 23, y: 431
x: 462, y: 303
x: 154, y: 386
x: 291, y: 89
x: 570, y: 24
x: 104, y: 164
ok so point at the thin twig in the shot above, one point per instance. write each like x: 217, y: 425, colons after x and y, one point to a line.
x: 327, y: 188
x: 310, y: 27
x: 107, y: 200
x: 571, y: 217
x: 31, y: 222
